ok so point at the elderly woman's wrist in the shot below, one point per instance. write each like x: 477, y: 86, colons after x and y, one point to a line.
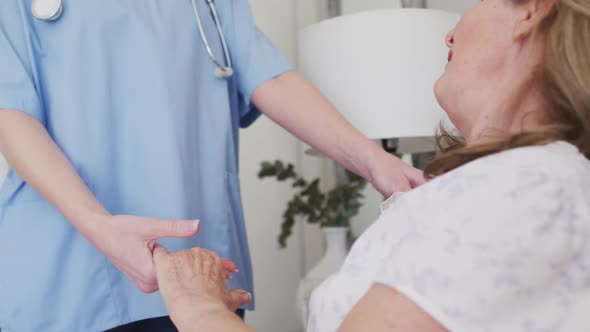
x: 190, y: 316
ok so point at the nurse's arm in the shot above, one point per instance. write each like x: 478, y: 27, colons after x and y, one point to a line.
x: 295, y: 104
x: 125, y: 240
x: 35, y: 157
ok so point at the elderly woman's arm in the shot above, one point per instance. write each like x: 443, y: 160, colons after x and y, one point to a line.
x: 218, y: 319
x: 193, y: 285
x: 385, y: 309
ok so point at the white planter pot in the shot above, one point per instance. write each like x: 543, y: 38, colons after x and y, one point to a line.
x: 336, y: 252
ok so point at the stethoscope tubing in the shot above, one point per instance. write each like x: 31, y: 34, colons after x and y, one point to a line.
x: 54, y: 11
x: 224, y: 71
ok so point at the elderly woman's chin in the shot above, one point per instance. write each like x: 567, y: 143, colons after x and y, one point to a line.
x: 439, y: 91
x: 443, y: 94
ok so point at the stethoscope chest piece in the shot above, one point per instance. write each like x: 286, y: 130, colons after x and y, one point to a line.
x: 47, y: 10
x: 224, y: 72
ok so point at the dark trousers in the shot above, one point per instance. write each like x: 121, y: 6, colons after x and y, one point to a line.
x: 161, y: 324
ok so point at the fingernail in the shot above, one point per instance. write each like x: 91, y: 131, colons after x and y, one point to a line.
x: 236, y: 271
x: 196, y: 224
x: 247, y: 297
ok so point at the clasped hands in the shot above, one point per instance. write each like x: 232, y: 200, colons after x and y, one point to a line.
x: 188, y: 280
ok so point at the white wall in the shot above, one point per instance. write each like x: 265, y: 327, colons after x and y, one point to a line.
x: 458, y: 6
x: 276, y: 272
x: 353, y: 6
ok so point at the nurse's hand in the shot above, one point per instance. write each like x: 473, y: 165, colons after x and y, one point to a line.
x: 128, y: 242
x: 390, y: 175
x: 193, y: 285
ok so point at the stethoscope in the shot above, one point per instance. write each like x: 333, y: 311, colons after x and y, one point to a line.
x: 51, y: 10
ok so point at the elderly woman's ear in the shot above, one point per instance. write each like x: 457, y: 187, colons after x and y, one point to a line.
x: 532, y: 14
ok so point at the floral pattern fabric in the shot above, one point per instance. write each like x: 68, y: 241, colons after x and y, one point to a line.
x: 501, y: 244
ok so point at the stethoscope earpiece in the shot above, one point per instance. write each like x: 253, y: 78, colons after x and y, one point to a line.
x: 47, y: 10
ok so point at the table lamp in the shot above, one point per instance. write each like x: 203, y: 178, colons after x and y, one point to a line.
x: 379, y: 68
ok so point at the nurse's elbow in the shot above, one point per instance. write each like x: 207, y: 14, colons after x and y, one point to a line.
x: 18, y: 128
x: 13, y: 120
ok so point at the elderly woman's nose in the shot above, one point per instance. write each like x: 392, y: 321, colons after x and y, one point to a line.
x: 450, y: 39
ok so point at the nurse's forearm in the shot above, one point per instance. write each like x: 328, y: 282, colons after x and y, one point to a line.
x: 125, y: 240
x: 295, y: 104
x: 34, y: 156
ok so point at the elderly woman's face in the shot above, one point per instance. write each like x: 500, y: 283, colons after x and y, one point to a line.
x: 481, y: 59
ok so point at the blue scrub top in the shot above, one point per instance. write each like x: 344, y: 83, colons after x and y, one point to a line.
x: 128, y: 92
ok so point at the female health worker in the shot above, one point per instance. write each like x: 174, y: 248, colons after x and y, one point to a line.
x: 120, y: 130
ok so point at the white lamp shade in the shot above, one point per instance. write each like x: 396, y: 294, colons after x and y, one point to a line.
x: 379, y: 68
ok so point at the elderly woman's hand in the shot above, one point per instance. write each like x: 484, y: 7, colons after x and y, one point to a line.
x: 193, y: 282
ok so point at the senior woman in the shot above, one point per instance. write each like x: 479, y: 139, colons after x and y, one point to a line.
x: 499, y: 239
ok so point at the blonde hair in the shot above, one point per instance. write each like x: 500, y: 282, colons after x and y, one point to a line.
x: 564, y: 79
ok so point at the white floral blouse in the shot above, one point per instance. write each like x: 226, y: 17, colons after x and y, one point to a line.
x: 501, y: 244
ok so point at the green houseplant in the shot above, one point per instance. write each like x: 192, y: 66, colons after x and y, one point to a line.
x: 333, y: 208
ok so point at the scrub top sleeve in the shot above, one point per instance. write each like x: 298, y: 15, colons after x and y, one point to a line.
x: 17, y: 83
x: 255, y: 58
x: 498, y: 261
